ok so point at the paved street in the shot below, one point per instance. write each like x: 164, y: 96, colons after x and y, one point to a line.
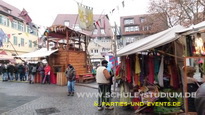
x: 37, y: 99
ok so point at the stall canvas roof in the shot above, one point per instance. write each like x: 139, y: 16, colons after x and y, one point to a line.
x: 193, y: 28
x: 43, y: 52
x: 152, y: 41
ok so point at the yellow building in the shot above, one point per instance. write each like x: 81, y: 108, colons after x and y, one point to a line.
x: 21, y: 38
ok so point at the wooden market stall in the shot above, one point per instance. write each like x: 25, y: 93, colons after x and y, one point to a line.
x: 72, y: 49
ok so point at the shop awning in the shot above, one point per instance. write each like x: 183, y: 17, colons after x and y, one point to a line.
x: 43, y: 52
x: 152, y: 41
x: 193, y: 28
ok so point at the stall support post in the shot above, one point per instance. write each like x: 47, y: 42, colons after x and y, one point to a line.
x: 115, y: 56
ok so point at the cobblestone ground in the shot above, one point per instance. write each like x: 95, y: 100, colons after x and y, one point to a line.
x: 28, y: 99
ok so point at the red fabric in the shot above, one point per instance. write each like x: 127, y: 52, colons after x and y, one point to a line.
x: 136, y: 100
x: 117, y: 70
x: 151, y: 70
x: 174, y: 76
x: 137, y: 79
x: 47, y: 69
x: 128, y: 76
x: 53, y: 78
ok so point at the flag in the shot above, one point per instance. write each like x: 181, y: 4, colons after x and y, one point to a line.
x: 2, y: 37
x: 123, y: 4
x: 98, y: 24
x: 95, y: 26
x: 85, y: 15
x: 107, y: 17
x: 113, y: 10
x: 25, y: 16
x: 112, y: 60
x: 8, y: 35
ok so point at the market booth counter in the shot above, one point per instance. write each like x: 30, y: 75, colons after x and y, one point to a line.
x: 153, y: 65
x: 72, y: 49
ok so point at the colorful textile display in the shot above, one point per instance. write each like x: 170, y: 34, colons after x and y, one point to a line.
x: 151, y: 70
x: 128, y: 72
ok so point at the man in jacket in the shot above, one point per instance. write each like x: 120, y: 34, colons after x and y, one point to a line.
x: 71, y: 75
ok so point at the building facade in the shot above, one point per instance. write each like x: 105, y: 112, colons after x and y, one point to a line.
x: 20, y: 38
x: 140, y: 26
x: 100, y: 37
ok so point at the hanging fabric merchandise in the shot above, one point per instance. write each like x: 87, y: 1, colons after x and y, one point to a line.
x: 151, y: 70
x: 128, y: 72
x: 123, y: 68
x: 174, y: 80
x: 137, y: 71
x: 125, y: 91
x: 144, y: 69
x: 161, y: 72
x: 156, y: 67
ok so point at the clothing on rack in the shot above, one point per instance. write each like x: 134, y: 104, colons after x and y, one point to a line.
x: 161, y: 73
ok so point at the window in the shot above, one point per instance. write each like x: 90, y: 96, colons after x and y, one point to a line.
x: 136, y: 28
x: 20, y: 26
x: 14, y: 25
x: 126, y: 29
x: 67, y: 23
x: 96, y: 51
x: 4, y: 21
x: 102, y: 31
x: 92, y: 51
x: 142, y: 20
x: 9, y: 11
x: 30, y: 43
x: 131, y: 28
x: 15, y: 40
x: 129, y: 21
x: 95, y: 31
x: 35, y: 43
x: 22, y: 42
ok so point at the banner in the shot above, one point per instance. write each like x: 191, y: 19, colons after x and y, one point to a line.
x: 85, y: 17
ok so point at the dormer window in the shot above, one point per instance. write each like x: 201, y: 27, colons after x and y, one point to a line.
x: 9, y: 11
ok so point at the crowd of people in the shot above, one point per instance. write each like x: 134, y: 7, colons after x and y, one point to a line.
x: 25, y: 72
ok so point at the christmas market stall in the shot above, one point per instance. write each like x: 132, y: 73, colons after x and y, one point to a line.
x: 72, y: 49
x: 150, y: 67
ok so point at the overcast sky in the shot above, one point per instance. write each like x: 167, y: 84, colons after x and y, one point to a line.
x: 43, y: 12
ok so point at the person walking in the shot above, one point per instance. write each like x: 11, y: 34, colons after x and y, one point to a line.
x: 32, y: 74
x: 103, y: 80
x: 71, y: 76
x: 47, y: 70
x: 11, y: 70
x: 5, y: 72
x: 41, y: 71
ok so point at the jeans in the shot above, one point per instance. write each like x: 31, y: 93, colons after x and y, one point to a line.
x: 5, y: 76
x: 71, y: 86
x: 22, y: 75
x: 16, y: 76
x: 11, y: 76
x: 26, y: 76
